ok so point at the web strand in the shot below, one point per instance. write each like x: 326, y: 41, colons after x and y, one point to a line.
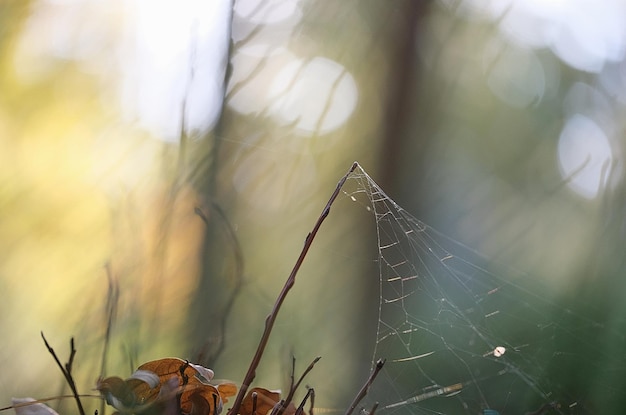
x: 461, y: 339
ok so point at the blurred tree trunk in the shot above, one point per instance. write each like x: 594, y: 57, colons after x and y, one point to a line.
x: 404, y: 80
x: 221, y: 262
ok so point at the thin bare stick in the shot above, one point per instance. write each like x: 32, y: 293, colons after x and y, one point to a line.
x: 312, y: 400
x: 293, y: 389
x: 67, y: 370
x: 379, y: 365
x: 271, y: 318
x: 113, y: 295
x: 300, y: 409
x: 279, y: 407
x: 292, y: 381
x: 373, y: 410
x: 255, y: 396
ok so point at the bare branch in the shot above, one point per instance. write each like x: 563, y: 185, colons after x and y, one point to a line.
x: 293, y: 388
x: 300, y: 409
x: 271, y: 318
x: 67, y: 370
x: 379, y: 365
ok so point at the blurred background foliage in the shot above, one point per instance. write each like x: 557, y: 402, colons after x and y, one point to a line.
x: 501, y: 123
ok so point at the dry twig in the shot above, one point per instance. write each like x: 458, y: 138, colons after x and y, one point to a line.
x: 271, y: 318
x: 293, y: 388
x: 67, y: 370
x: 379, y: 365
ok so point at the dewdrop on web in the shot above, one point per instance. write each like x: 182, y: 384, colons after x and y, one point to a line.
x: 497, y: 352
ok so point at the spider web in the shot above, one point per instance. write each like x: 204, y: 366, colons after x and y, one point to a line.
x: 458, y: 339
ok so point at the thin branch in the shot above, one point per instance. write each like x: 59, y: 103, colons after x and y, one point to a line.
x: 300, y: 409
x: 292, y: 381
x: 312, y: 401
x: 67, y: 370
x: 379, y: 365
x: 293, y: 389
x: 113, y: 294
x: 271, y: 318
x: 111, y: 310
x: 254, y: 402
x: 68, y: 365
x: 279, y: 407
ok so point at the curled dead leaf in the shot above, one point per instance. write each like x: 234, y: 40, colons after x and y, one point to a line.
x: 158, y: 383
x: 126, y: 395
x: 226, y: 390
x: 205, y: 373
x: 200, y: 399
x: 265, y: 401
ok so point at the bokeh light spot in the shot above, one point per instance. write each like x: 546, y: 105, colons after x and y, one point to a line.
x: 267, y: 12
x: 584, y: 154
x: 185, y: 62
x: 318, y: 96
x: 516, y: 75
x: 582, y: 33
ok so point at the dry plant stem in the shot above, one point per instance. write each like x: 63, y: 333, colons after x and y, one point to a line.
x: 254, y: 402
x: 113, y: 295
x: 312, y: 401
x: 293, y: 389
x: 300, y: 409
x: 293, y: 373
x: 379, y: 365
x: 373, y: 410
x: 67, y: 370
x: 278, y: 407
x: 111, y: 307
x: 271, y: 318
